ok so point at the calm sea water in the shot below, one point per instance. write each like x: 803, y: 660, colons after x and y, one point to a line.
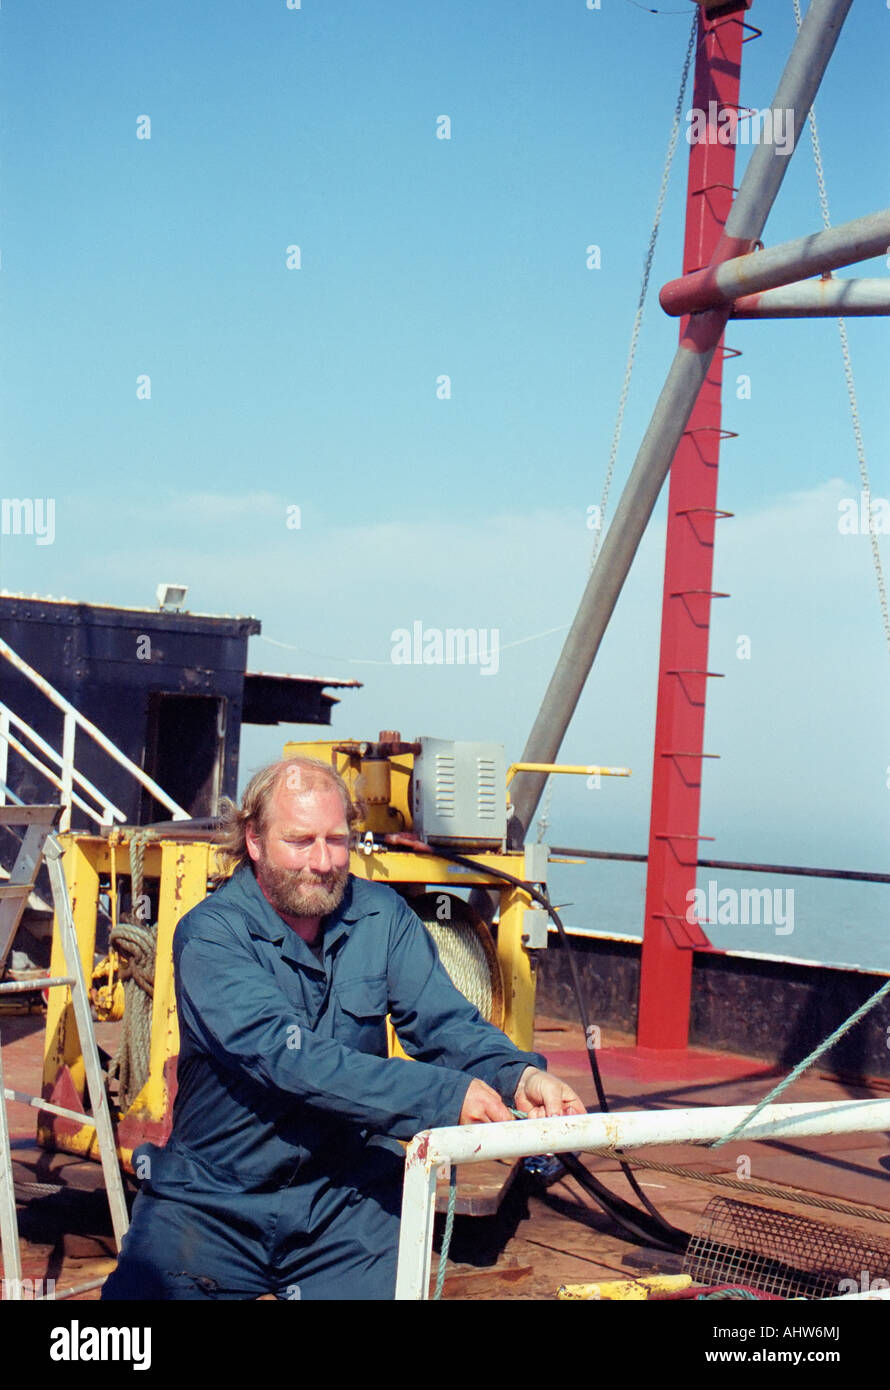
x: 835, y: 922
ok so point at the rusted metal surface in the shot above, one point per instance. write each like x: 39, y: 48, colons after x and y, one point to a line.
x: 824, y: 297
x: 761, y: 1006
x: 558, y: 1235
x: 720, y: 285
x: 602, y: 1134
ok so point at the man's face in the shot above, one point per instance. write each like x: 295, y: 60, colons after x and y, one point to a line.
x: 302, y: 861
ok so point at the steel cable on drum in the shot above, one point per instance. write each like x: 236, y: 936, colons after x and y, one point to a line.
x: 765, y: 1189
x: 465, y: 961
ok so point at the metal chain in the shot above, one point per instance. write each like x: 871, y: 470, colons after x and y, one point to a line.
x: 848, y: 373
x: 638, y: 317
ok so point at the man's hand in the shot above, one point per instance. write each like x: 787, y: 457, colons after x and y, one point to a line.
x: 540, y: 1094
x: 482, y: 1104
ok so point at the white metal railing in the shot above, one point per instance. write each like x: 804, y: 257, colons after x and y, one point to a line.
x: 67, y: 776
x: 430, y: 1153
x: 107, y: 812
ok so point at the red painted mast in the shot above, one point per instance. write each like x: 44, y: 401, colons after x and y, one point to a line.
x: 669, y: 938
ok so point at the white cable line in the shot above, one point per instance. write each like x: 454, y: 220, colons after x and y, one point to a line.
x: 369, y: 661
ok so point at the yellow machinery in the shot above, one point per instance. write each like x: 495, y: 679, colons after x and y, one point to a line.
x: 176, y: 868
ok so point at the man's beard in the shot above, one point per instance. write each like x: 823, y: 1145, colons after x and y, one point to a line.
x: 300, y: 892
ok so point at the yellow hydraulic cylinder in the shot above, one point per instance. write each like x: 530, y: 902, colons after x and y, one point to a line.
x: 622, y: 1290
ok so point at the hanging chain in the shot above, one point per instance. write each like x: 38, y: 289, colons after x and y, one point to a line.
x: 638, y: 317
x: 848, y: 376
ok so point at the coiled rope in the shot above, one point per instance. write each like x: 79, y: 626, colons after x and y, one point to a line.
x: 135, y: 943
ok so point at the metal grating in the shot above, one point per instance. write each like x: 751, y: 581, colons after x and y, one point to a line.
x: 779, y: 1253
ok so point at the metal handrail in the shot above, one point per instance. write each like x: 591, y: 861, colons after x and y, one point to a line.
x: 433, y: 1150
x: 57, y: 781
x: 796, y: 870
x: 75, y: 720
x: 109, y: 810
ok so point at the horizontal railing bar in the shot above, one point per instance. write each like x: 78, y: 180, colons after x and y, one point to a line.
x: 90, y: 728
x: 24, y: 986
x: 778, y: 266
x: 631, y: 1129
x: 38, y: 1103
x: 853, y: 875
x: 433, y: 1151
x: 53, y: 777
x: 48, y: 751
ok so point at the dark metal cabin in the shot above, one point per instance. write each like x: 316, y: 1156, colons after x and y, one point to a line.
x: 169, y: 689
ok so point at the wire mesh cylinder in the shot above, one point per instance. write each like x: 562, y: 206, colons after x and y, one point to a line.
x: 779, y: 1253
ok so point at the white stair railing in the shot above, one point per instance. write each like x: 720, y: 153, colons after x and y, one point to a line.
x: 67, y: 775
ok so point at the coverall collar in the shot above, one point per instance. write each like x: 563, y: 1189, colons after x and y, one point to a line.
x: 264, y: 921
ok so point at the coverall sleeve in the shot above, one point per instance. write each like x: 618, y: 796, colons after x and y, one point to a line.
x: 234, y: 1010
x: 436, y: 1023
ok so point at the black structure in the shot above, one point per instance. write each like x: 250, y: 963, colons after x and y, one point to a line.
x: 170, y: 689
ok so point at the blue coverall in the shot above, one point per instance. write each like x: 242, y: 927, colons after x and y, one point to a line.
x: 277, y: 1177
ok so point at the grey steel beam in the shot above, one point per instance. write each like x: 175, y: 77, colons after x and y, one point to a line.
x: 816, y: 299
x: 778, y: 265
x: 797, y: 88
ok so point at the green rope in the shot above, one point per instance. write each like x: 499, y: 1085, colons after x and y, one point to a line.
x: 807, y: 1062
x: 449, y: 1217
x: 446, y: 1237
x: 736, y: 1291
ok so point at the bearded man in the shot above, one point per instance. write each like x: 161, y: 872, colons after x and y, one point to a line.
x: 282, y: 1174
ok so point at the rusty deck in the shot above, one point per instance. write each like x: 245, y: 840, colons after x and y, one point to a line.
x: 536, y: 1241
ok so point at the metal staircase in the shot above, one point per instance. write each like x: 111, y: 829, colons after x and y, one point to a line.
x: 58, y: 767
x: 40, y: 844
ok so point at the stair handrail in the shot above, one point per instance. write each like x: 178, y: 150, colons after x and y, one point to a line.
x: 108, y: 812
x: 74, y: 720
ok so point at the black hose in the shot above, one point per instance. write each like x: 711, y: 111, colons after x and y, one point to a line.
x: 652, y: 1229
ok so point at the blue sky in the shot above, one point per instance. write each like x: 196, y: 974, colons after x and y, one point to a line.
x: 273, y: 388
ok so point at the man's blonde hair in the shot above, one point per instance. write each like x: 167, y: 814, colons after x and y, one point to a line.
x: 300, y: 774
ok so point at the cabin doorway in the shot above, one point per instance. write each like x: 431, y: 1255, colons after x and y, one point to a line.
x: 184, y: 752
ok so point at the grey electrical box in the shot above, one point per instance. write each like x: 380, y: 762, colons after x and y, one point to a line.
x: 535, y: 923
x: 458, y: 794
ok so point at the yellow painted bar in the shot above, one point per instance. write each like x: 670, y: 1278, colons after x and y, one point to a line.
x: 517, y: 968
x: 581, y: 771
x: 62, y: 1046
x: 183, y: 885
x: 182, y: 871
x: 623, y: 1290
x: 393, y: 867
